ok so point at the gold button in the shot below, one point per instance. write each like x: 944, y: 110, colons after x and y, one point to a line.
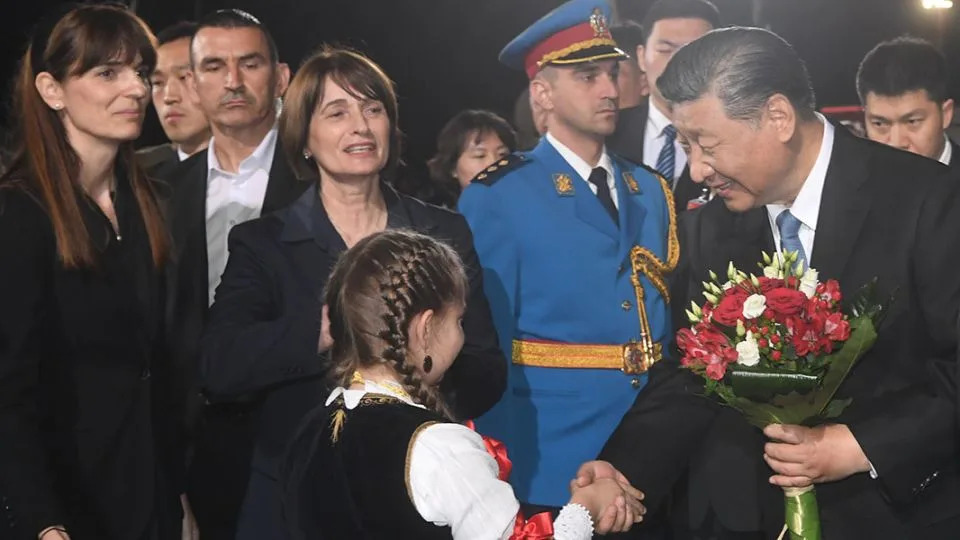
x: 481, y: 176
x: 626, y: 305
x: 503, y: 162
x: 635, y: 382
x: 491, y: 168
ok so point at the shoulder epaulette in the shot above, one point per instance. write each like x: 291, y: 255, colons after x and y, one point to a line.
x: 501, y: 167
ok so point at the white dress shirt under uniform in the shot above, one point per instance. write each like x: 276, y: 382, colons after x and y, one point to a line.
x: 233, y: 198
x: 584, y: 169
x: 453, y: 480
x: 654, y: 139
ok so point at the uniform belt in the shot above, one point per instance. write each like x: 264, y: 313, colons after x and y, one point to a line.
x: 554, y: 354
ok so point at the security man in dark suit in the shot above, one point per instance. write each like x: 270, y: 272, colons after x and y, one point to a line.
x: 855, y: 210
x: 644, y: 132
x: 238, y: 80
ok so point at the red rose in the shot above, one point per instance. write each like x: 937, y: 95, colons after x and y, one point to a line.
x: 762, y: 343
x: 769, y: 284
x: 730, y: 309
x: 786, y: 302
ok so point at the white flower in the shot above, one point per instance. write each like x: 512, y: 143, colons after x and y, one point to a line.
x: 808, y: 283
x: 754, y: 306
x: 772, y: 272
x: 748, y: 353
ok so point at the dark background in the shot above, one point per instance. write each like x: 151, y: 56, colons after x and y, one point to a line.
x: 443, y: 53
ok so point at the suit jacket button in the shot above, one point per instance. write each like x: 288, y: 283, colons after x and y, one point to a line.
x: 626, y: 305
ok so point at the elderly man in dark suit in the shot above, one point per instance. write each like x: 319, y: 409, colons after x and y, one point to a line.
x: 855, y: 210
x: 644, y: 132
x: 238, y: 80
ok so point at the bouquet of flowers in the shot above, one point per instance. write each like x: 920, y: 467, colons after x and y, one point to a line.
x: 776, y: 347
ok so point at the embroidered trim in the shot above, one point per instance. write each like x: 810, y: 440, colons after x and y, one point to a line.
x: 555, y: 56
x: 406, y: 470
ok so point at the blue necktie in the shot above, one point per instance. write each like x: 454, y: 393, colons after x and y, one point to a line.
x: 789, y: 227
x: 667, y: 158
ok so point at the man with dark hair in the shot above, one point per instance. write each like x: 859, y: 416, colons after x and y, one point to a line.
x: 902, y: 85
x: 237, y: 79
x: 645, y: 133
x: 632, y: 81
x: 854, y: 210
x: 180, y: 116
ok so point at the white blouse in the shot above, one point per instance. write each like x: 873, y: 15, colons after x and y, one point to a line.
x: 453, y: 481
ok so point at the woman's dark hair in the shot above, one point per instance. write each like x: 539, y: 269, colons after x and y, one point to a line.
x: 375, y: 290
x: 42, y: 160
x: 353, y: 72
x: 453, y: 141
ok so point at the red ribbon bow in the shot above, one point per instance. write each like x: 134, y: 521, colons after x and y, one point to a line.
x: 538, y: 527
x: 497, y: 450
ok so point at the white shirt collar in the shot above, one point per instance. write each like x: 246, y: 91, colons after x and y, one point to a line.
x: 947, y: 153
x: 582, y: 167
x: 806, y: 207
x: 181, y: 155
x: 656, y: 120
x: 261, y: 158
x: 351, y: 397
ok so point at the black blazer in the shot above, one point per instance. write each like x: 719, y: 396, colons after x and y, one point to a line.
x: 265, y: 324
x: 158, y: 161
x: 883, y: 213
x: 188, y: 281
x: 82, y: 374
x: 627, y: 142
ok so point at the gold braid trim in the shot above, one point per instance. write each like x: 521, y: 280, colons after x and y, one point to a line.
x: 645, y: 262
x: 570, y: 49
x: 413, y: 438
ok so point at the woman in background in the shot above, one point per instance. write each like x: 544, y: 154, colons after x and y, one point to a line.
x: 469, y: 143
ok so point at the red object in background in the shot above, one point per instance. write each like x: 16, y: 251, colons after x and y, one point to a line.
x: 850, y: 116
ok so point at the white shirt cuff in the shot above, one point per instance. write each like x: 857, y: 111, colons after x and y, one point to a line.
x: 873, y: 471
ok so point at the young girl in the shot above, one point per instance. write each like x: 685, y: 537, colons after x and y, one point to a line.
x: 383, y: 459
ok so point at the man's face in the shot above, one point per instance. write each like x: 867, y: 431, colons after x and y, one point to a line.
x: 180, y: 116
x: 583, y: 97
x: 911, y: 121
x: 666, y: 36
x: 743, y: 162
x: 236, y: 81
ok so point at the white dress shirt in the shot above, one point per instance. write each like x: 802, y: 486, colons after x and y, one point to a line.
x: 654, y: 139
x: 233, y: 198
x: 181, y: 155
x: 947, y: 154
x: 453, y: 480
x: 584, y: 169
x: 806, y: 207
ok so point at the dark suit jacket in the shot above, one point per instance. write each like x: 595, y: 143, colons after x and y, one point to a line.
x: 265, y: 324
x: 188, y: 287
x: 955, y: 156
x: 627, y: 142
x: 83, y: 379
x: 158, y: 161
x: 883, y: 213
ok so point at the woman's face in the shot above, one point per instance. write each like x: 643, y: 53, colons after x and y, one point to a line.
x: 480, y: 151
x: 349, y: 137
x: 107, y: 103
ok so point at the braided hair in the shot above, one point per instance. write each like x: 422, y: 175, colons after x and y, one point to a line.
x: 376, y: 288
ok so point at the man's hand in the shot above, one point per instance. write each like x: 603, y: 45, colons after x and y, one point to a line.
x: 614, y: 518
x: 802, y: 456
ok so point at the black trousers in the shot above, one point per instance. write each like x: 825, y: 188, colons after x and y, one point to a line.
x: 220, y: 470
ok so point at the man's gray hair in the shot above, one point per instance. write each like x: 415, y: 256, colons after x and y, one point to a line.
x: 742, y: 67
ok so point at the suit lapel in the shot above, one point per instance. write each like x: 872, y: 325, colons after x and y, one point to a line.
x: 844, y: 205
x: 282, y: 186
x: 587, y: 206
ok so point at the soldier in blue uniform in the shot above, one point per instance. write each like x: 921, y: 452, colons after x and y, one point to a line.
x: 575, y: 244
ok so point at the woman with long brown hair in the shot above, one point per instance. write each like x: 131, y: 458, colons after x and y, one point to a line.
x: 84, y: 452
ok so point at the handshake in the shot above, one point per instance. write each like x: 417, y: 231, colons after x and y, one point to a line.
x: 606, y: 493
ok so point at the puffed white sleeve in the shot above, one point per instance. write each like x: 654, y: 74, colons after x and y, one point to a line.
x: 453, y: 482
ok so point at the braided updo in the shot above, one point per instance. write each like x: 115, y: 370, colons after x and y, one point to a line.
x: 375, y: 290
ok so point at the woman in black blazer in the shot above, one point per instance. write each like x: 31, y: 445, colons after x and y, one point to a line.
x: 82, y: 244
x: 263, y: 344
